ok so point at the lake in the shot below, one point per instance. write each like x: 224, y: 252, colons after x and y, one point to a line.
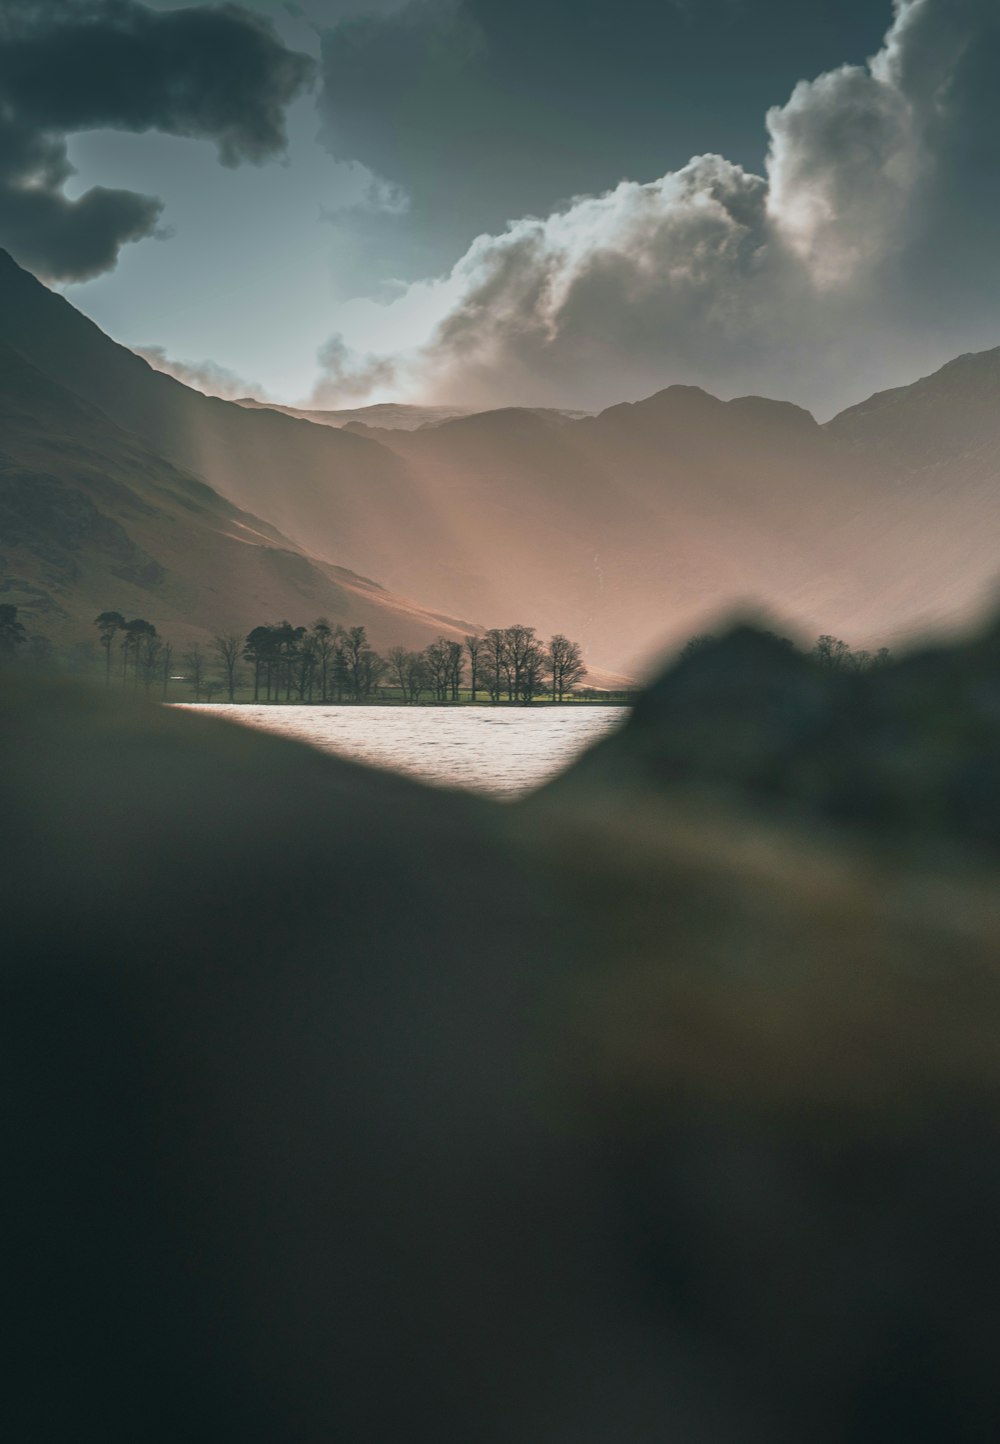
x: 500, y: 750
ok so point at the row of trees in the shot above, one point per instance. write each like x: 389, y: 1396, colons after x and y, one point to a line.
x: 329, y: 663
x: 143, y: 656
x: 338, y: 664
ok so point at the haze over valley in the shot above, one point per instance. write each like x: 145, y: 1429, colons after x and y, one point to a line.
x: 629, y: 530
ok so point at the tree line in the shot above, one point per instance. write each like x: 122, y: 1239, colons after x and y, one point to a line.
x: 831, y: 653
x: 327, y: 663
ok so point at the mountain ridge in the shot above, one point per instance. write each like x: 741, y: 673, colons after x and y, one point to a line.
x: 91, y: 519
x: 629, y: 529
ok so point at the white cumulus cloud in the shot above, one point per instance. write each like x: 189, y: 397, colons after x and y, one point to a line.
x: 825, y: 277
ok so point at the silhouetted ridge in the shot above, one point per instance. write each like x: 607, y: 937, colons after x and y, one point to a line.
x: 910, y: 749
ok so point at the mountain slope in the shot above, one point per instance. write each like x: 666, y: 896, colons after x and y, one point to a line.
x: 92, y: 519
x: 333, y: 492
x: 629, y: 530
x: 950, y: 417
x: 642, y: 521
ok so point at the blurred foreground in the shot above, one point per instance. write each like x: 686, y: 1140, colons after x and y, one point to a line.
x: 664, y: 1105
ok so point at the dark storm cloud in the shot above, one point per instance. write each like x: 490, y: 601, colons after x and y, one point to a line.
x: 218, y: 73
x: 484, y: 110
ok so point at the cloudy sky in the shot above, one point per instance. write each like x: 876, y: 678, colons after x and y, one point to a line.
x: 486, y: 202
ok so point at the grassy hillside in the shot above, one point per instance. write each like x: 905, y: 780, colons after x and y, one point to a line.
x: 91, y: 518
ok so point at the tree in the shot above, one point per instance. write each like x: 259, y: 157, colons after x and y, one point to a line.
x: 565, y: 664
x: 438, y: 657
x: 523, y: 659
x: 340, y: 672
x: 167, y: 656
x: 228, y: 648
x: 108, y: 625
x: 474, y: 646
x: 398, y: 661
x: 417, y: 678
x: 193, y: 662
x: 832, y: 653
x: 364, y: 666
x: 456, y: 666
x: 532, y: 682
x: 135, y: 632
x: 286, y: 643
x: 408, y: 671
x: 372, y: 670
x: 258, y: 649
x: 325, y: 644
x: 305, y: 666
x: 495, y: 648
x: 149, y: 658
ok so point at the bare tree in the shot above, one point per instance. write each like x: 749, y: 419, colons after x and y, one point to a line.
x: 133, y: 634
x: 417, y: 676
x: 398, y: 662
x: 355, y: 645
x: 371, y: 672
x: 306, y: 666
x: 565, y: 664
x: 229, y: 650
x: 438, y: 656
x: 832, y: 653
x: 325, y: 644
x: 340, y: 672
x: 108, y: 625
x: 523, y: 656
x: 532, y: 681
x: 149, y: 658
x: 456, y: 667
x: 193, y: 662
x: 474, y: 646
x: 495, y: 649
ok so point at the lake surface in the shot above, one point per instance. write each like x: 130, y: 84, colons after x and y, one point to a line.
x: 504, y: 751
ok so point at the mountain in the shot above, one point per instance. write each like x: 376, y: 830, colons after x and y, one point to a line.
x: 947, y: 419
x: 648, y: 520
x: 386, y: 415
x: 640, y: 522
x: 389, y: 415
x: 92, y: 519
x: 336, y: 494
x: 629, y: 530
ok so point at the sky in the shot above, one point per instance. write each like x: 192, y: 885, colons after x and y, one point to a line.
x: 492, y: 202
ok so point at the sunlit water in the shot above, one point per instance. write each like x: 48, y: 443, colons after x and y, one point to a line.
x: 505, y: 751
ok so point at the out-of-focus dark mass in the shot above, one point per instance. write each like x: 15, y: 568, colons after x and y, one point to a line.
x: 663, y: 1104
